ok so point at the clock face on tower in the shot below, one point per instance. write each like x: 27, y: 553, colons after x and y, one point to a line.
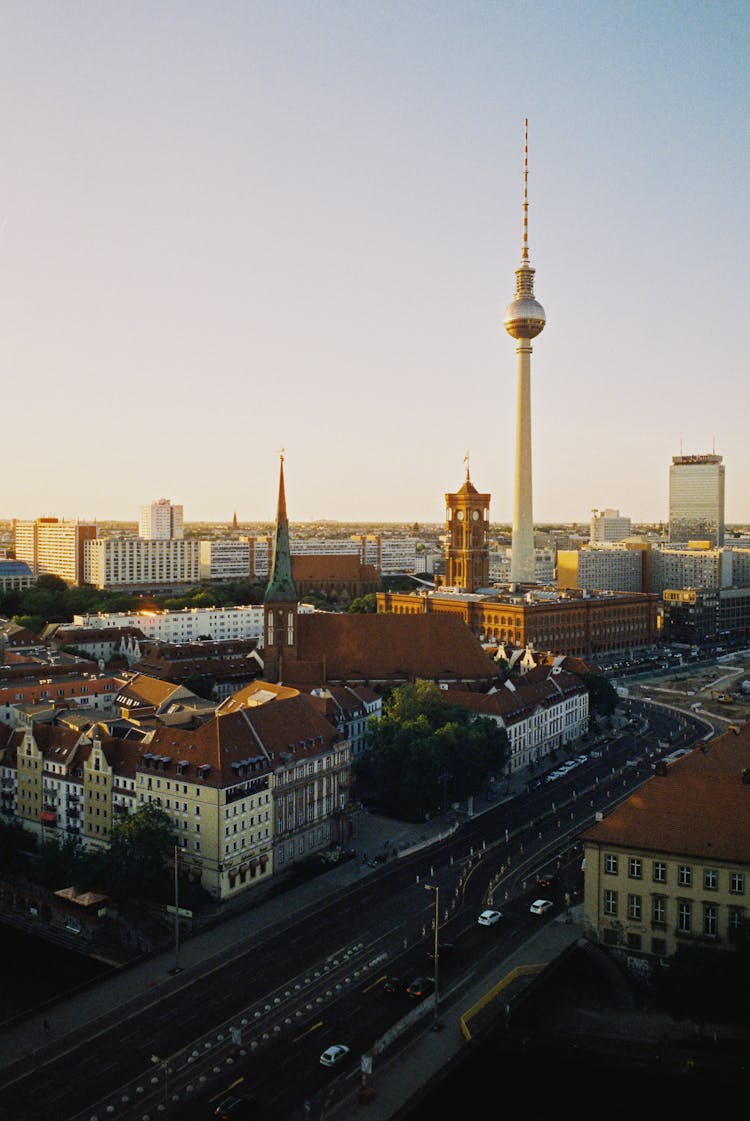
x: 460, y: 515
x: 475, y: 515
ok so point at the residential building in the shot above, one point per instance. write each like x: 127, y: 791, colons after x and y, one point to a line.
x: 161, y: 521
x: 51, y: 546
x: 696, y: 499
x: 118, y: 562
x: 58, y: 687
x: 246, y: 791
x: 187, y: 625
x: 670, y: 866
x: 225, y: 559
x: 542, y: 711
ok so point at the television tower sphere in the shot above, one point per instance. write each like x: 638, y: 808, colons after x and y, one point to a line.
x: 524, y: 317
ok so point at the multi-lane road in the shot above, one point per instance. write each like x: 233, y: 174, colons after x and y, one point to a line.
x: 259, y: 1017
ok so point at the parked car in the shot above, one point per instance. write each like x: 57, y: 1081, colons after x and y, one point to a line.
x: 540, y: 906
x: 489, y: 918
x: 334, y: 1054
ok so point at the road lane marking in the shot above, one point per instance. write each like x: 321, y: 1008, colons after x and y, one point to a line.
x: 309, y: 1030
x: 379, y: 981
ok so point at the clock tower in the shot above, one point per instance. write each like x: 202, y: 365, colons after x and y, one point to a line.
x: 467, y: 525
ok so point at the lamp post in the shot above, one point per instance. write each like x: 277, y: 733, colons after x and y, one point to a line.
x: 436, y: 952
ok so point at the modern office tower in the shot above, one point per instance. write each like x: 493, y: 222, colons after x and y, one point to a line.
x: 696, y: 499
x: 161, y: 521
x: 55, y: 547
x: 524, y: 320
x: 607, y: 525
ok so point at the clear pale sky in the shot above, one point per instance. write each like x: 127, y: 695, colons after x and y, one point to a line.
x: 230, y: 228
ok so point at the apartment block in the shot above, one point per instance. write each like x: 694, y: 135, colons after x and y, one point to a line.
x: 51, y: 546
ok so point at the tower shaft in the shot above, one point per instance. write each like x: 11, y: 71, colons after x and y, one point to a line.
x: 522, y: 564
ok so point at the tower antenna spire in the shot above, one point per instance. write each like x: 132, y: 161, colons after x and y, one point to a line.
x: 525, y: 239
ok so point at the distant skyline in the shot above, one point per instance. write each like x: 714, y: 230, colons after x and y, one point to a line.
x: 227, y: 229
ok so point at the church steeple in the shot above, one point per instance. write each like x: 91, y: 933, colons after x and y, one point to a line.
x: 281, y: 584
x: 280, y: 601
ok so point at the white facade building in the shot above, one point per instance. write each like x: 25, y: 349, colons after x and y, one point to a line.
x: 161, y: 521
x: 225, y: 560
x: 118, y: 562
x: 691, y: 568
x: 183, y: 626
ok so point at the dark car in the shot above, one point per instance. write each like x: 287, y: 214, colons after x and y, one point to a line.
x: 546, y: 879
x: 394, y: 985
x: 420, y: 987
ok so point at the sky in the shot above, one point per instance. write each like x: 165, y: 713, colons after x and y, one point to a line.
x: 232, y: 228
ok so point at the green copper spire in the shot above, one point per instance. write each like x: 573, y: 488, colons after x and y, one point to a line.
x: 281, y: 587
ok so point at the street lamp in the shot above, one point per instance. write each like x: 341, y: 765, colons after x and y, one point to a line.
x: 436, y: 953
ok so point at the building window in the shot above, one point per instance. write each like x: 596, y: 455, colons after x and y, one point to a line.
x: 710, y: 879
x: 635, y: 868
x: 658, y: 946
x: 659, y: 910
x: 710, y: 920
x: 610, y: 902
x: 634, y: 941
x: 634, y: 907
x: 684, y: 875
x: 737, y: 883
x: 659, y: 872
x: 684, y: 916
x: 610, y: 864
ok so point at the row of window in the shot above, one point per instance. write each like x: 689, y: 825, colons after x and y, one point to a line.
x: 685, y: 913
x: 685, y: 877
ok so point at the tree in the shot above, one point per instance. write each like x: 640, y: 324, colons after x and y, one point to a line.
x: 425, y: 751
x: 139, y: 852
x: 602, y: 696
x: 364, y: 605
x: 202, y: 684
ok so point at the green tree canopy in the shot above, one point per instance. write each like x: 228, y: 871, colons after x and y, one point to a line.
x: 426, y: 752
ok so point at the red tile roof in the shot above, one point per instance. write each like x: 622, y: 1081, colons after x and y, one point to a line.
x: 387, y: 647
x: 700, y: 808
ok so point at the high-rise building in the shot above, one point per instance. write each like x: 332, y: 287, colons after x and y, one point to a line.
x: 55, y: 547
x: 696, y: 499
x: 607, y: 525
x: 524, y: 320
x: 160, y: 521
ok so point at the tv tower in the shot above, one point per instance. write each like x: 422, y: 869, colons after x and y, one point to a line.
x: 524, y: 320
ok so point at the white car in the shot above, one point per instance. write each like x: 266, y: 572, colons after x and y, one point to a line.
x: 540, y: 906
x: 489, y: 918
x: 334, y: 1054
